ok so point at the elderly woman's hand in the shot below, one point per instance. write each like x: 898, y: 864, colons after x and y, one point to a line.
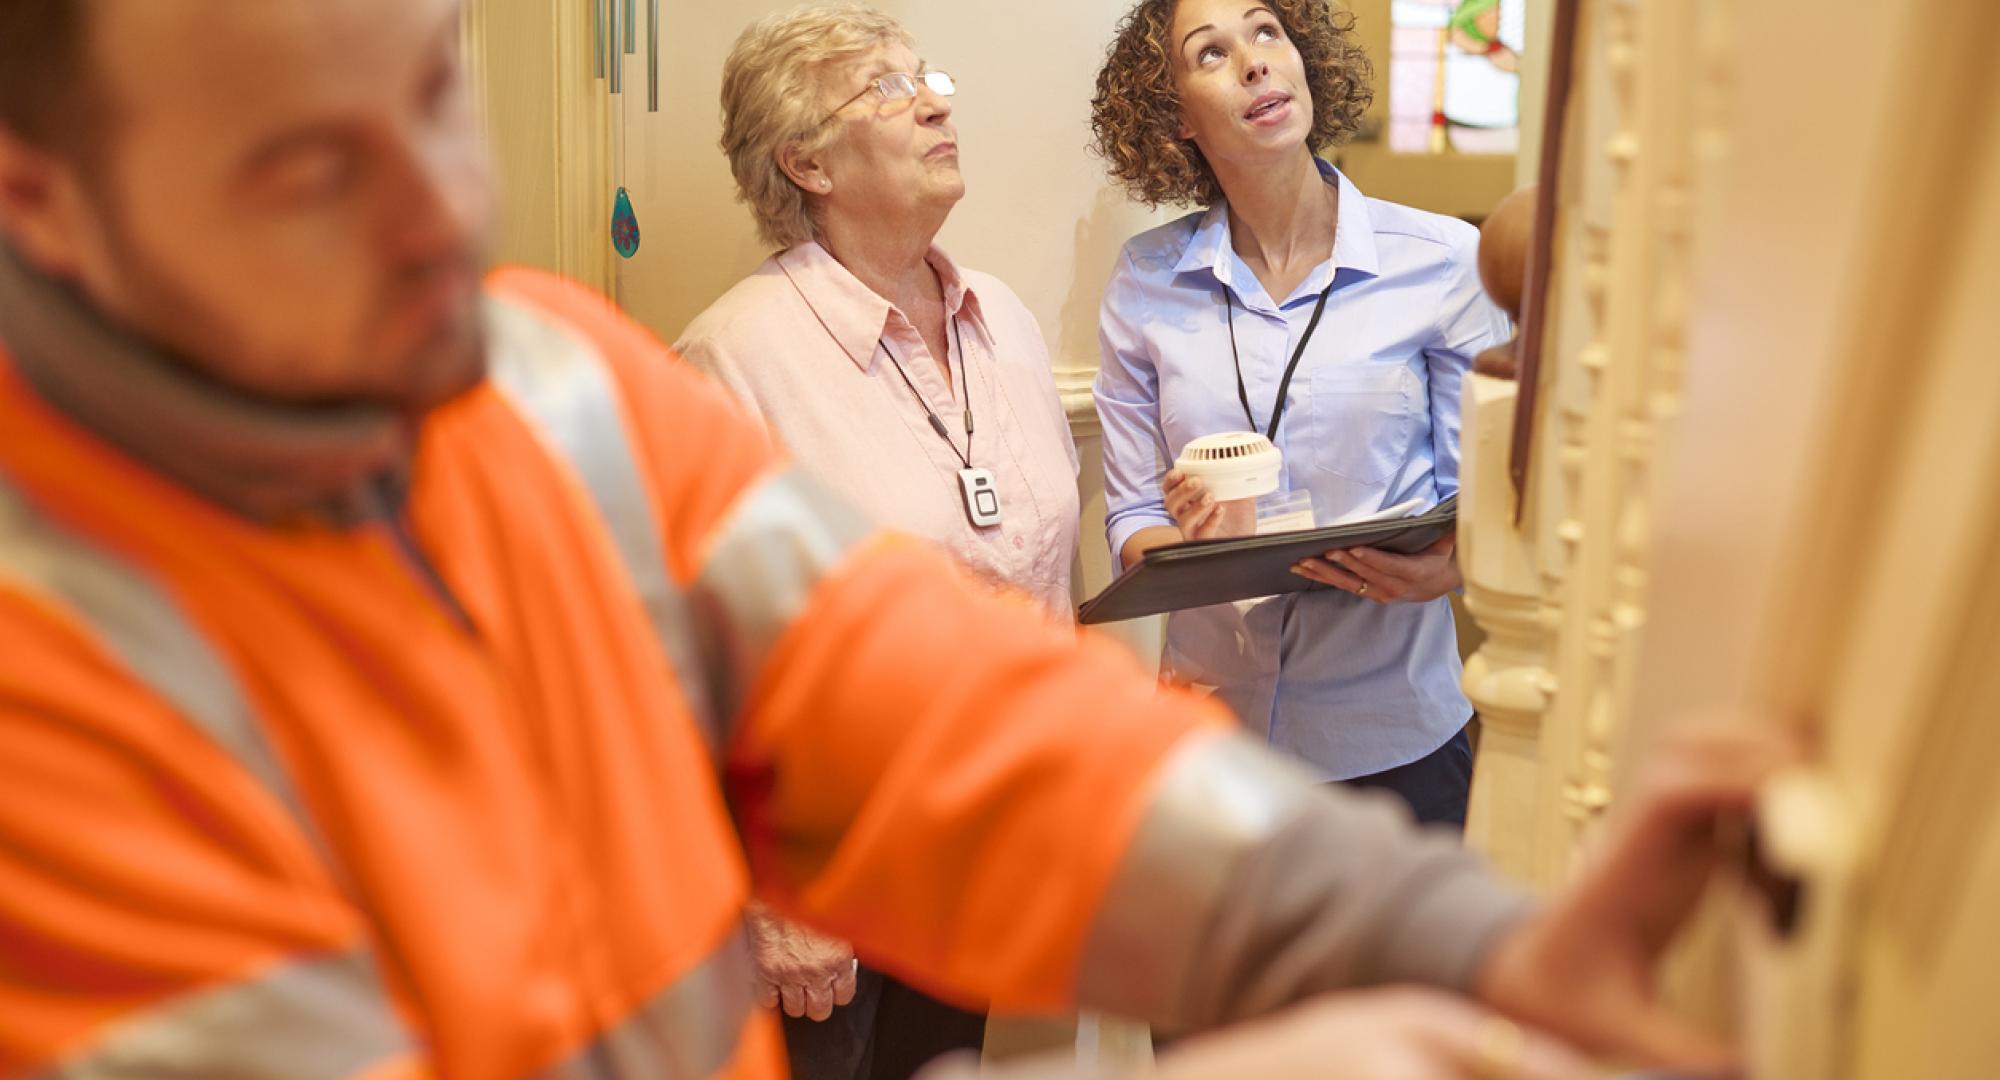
x: 1200, y: 515
x: 1386, y: 577
x: 807, y: 974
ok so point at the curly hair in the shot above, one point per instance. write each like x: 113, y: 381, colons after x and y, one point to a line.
x: 1135, y: 115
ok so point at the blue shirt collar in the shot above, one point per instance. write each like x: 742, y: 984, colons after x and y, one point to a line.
x: 1353, y: 241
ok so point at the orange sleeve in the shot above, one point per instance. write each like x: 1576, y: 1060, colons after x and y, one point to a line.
x: 139, y: 867
x: 932, y: 772
x: 945, y: 778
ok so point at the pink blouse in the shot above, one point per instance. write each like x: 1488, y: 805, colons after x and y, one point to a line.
x: 802, y: 342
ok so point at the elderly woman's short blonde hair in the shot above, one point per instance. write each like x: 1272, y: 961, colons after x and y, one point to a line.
x: 772, y: 98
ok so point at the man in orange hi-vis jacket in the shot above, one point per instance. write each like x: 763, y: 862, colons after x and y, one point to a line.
x: 407, y: 674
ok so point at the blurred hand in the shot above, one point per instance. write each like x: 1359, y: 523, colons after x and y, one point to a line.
x: 809, y: 975
x: 1199, y: 515
x: 1585, y: 967
x: 1394, y: 1034
x: 1386, y: 577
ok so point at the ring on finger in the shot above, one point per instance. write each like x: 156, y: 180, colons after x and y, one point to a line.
x: 1499, y: 1046
x: 1363, y: 590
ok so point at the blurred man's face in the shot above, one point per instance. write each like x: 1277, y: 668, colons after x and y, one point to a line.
x: 291, y: 193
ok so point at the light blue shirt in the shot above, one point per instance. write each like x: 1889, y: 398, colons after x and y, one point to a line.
x: 1350, y: 686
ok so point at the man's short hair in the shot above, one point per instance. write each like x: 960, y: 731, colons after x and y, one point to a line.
x: 46, y: 96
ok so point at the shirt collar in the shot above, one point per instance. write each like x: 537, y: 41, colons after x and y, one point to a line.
x: 857, y: 316
x: 1354, y: 236
x: 1353, y: 239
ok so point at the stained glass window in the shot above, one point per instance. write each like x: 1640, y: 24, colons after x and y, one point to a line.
x: 1453, y: 84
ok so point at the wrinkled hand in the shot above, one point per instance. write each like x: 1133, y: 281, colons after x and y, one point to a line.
x: 1586, y: 966
x: 808, y: 974
x: 1393, y: 1034
x: 1199, y: 515
x: 1388, y: 578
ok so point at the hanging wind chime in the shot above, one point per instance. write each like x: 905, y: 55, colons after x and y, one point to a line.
x: 616, y: 20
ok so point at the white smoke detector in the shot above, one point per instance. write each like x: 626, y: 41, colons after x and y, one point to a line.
x: 1233, y: 464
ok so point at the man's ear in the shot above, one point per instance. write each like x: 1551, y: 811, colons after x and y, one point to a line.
x: 807, y: 172
x: 42, y: 210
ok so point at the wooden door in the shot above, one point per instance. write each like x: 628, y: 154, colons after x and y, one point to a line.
x: 1830, y: 522
x: 532, y: 67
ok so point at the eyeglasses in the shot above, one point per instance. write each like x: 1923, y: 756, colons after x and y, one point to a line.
x: 901, y: 86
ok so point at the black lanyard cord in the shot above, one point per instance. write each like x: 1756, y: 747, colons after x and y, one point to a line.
x: 1284, y: 384
x: 964, y: 387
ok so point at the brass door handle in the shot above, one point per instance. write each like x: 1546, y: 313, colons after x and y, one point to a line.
x: 1783, y: 895
x: 1798, y: 845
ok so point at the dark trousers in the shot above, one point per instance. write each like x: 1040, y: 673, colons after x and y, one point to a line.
x: 1436, y: 787
x: 887, y: 1032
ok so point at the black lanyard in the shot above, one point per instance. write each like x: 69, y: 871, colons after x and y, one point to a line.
x: 1285, y: 384
x: 964, y: 387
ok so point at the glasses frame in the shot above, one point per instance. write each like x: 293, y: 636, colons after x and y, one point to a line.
x: 880, y: 85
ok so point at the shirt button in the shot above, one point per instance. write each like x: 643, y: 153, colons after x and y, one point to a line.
x: 1019, y: 543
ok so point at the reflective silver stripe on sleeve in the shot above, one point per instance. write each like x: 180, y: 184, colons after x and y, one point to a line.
x: 559, y: 382
x: 145, y: 630
x: 763, y: 564
x: 316, y: 1019
x: 1216, y: 798
x: 1249, y: 886
x: 688, y: 1031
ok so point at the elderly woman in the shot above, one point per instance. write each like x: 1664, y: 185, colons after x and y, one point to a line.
x: 1339, y: 325
x: 917, y: 388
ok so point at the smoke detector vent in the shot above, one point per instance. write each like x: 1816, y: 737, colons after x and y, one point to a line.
x: 1233, y: 464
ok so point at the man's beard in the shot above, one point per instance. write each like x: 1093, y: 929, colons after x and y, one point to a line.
x: 452, y: 362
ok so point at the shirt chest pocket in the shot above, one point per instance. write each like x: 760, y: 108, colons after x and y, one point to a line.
x: 1360, y: 418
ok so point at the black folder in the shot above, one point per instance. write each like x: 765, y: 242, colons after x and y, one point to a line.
x: 1198, y: 573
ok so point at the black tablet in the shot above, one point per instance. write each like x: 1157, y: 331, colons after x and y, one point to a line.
x: 1198, y: 573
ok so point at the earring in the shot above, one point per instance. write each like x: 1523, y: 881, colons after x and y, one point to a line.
x: 825, y: 184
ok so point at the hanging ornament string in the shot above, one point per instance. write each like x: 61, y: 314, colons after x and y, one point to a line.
x: 624, y: 219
